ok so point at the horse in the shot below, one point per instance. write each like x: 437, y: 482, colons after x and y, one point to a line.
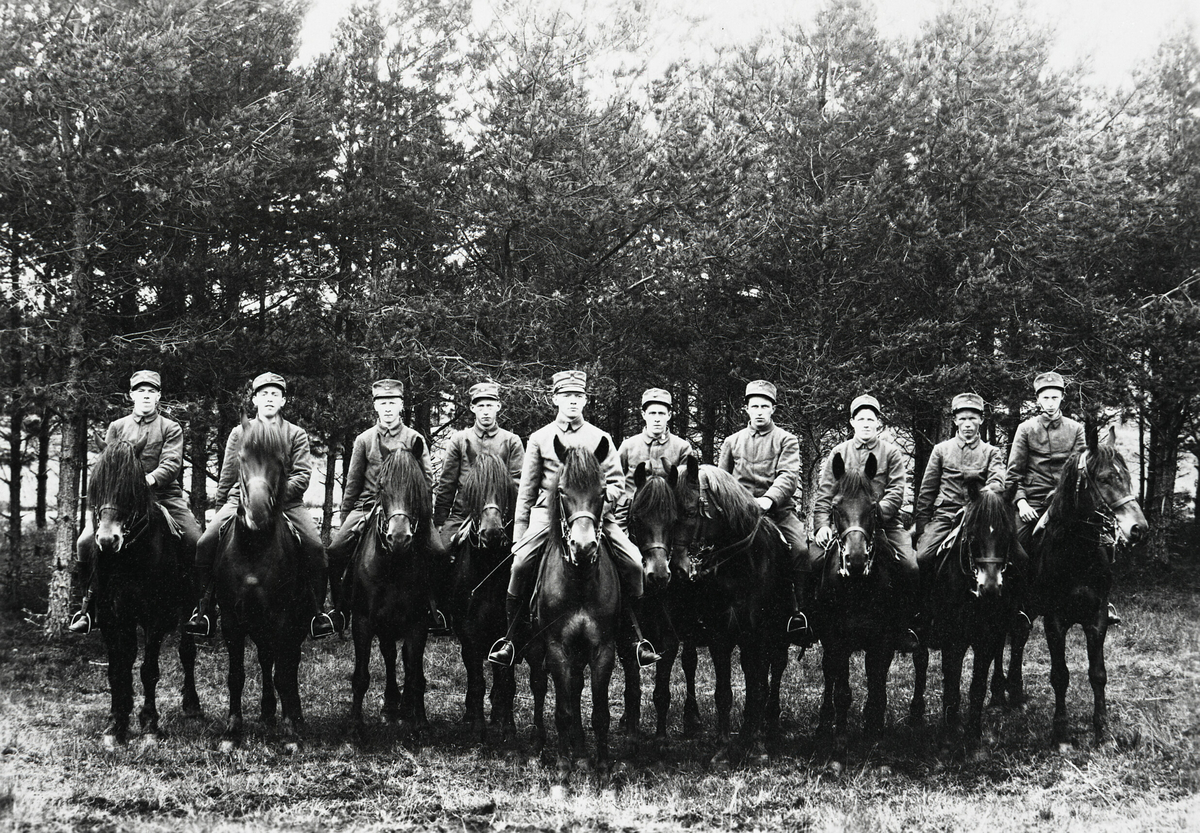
x: 141, y: 580
x: 737, y: 571
x: 856, y: 603
x: 479, y: 587
x: 388, y: 586
x: 261, y: 586
x: 651, y: 521
x: 972, y: 606
x: 1092, y: 510
x: 576, y: 610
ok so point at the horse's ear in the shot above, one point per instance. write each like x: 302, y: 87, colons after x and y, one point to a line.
x: 640, y: 474
x: 384, y: 452
x: 871, y: 467
x: 418, y: 446
x: 560, y: 450
x: 839, y: 466
x: 601, y: 451
x: 670, y: 471
x: 471, y: 455
x: 974, y: 484
x: 1110, y: 439
x: 692, y: 466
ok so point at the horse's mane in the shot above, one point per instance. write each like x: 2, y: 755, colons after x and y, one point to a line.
x: 654, y: 499
x: 989, y: 511
x: 854, y: 483
x: 731, y: 500
x: 118, y: 480
x: 401, y: 480
x: 580, y: 471
x: 489, y: 480
x: 1064, y: 502
x: 262, y: 441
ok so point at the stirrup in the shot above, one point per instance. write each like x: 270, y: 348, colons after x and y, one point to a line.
x: 797, y: 623
x: 907, y: 641
x: 200, y: 625
x: 1114, y: 618
x: 503, y: 652
x: 440, y: 626
x: 81, y: 623
x: 321, y: 626
x: 646, y: 655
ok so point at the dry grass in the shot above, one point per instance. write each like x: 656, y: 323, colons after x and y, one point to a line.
x: 55, y: 775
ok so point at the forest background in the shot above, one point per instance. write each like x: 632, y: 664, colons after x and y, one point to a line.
x: 832, y: 207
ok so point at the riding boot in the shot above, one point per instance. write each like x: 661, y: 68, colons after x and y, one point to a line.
x: 646, y: 655
x: 799, y: 629
x: 83, y: 620
x: 504, y: 652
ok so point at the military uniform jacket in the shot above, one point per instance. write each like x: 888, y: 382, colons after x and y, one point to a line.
x: 1039, y: 449
x: 643, y: 449
x: 944, y: 484
x: 467, y: 445
x: 541, y: 465
x: 158, y: 443
x: 766, y: 463
x: 891, y: 478
x: 299, y: 466
x: 362, y: 480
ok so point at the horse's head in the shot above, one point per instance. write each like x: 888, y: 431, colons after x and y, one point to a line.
x: 715, y: 516
x: 987, y: 537
x: 405, y: 505
x: 121, y: 499
x: 1101, y: 473
x: 489, y: 496
x: 577, y: 503
x: 855, y: 513
x: 262, y: 473
x: 652, y: 517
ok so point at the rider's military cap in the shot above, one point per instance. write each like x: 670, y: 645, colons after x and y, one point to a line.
x: 387, y: 389
x: 967, y: 402
x: 263, y: 380
x: 145, y: 377
x: 651, y: 396
x: 1048, y: 380
x: 484, y: 390
x: 570, y: 381
x: 761, y: 387
x: 865, y: 401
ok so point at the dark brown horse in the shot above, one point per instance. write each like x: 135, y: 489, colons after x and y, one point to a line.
x: 857, y: 603
x: 651, y: 520
x: 576, y: 609
x: 1093, y: 510
x: 389, y: 590
x: 482, y: 557
x: 971, y: 605
x: 261, y: 587
x: 737, y: 561
x: 140, y: 581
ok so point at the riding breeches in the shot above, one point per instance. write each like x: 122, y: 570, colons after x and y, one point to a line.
x: 627, y: 558
x: 936, y: 531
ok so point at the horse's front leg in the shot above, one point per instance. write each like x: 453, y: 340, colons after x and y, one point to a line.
x: 187, y: 661
x: 878, y: 663
x: 393, y: 700
x: 829, y: 673
x: 269, y: 704
x: 287, y: 683
x: 755, y: 673
x: 148, y: 715
x: 983, y: 652
x: 778, y: 667
x: 1097, y: 673
x: 953, y: 653
x: 1016, y: 662
x: 120, y: 639
x: 1060, y: 676
x: 603, y: 660
x: 538, y: 683
x: 691, y: 708
x: 235, y: 646
x: 360, y: 681
x: 564, y: 718
x: 473, y: 660
x: 722, y: 659
x: 916, y: 709
x: 662, y: 688
x: 631, y: 719
x: 504, y: 692
x: 413, y: 697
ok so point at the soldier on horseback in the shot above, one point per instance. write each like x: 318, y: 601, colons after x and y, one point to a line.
x: 158, y: 443
x: 890, y: 483
x: 943, y: 491
x: 269, y: 397
x: 1040, y: 447
x: 386, y: 436
x: 485, y: 436
x: 656, y: 446
x: 532, y: 528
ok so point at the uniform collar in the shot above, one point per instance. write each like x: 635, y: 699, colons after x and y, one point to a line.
x: 147, y: 419
x: 1048, y: 423
x: 569, y: 426
x: 865, y: 445
x: 653, y: 441
x: 484, y: 435
x: 964, y: 444
x: 762, y: 432
x: 394, y: 431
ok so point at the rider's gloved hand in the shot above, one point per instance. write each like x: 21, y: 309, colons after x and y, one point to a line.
x: 824, y: 536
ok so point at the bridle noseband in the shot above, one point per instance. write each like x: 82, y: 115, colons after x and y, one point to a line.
x: 567, y: 521
x: 131, y: 528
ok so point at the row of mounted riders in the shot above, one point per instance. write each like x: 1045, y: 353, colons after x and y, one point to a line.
x: 733, y: 600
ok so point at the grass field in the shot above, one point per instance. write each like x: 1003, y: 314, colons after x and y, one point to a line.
x: 56, y: 775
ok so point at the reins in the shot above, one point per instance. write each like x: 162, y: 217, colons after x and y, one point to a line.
x: 725, y: 553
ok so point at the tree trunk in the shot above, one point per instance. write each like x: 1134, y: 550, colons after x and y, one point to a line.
x: 198, y: 448
x: 43, y: 469
x: 12, y: 570
x: 327, y: 505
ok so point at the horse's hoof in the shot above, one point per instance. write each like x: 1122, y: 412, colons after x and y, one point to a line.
x: 292, y: 747
x: 916, y: 720
x: 111, y: 742
x: 150, y: 740
x: 834, y: 769
x: 1064, y: 747
x: 564, y: 769
x: 584, y: 765
x: 227, y: 747
x: 980, y: 755
x: 558, y: 793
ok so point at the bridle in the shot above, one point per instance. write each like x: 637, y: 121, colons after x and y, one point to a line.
x: 1110, y: 527
x: 843, y: 537
x: 132, y: 527
x: 472, y: 533
x: 567, y: 521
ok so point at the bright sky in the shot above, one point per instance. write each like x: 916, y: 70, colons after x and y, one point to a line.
x: 1115, y: 35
